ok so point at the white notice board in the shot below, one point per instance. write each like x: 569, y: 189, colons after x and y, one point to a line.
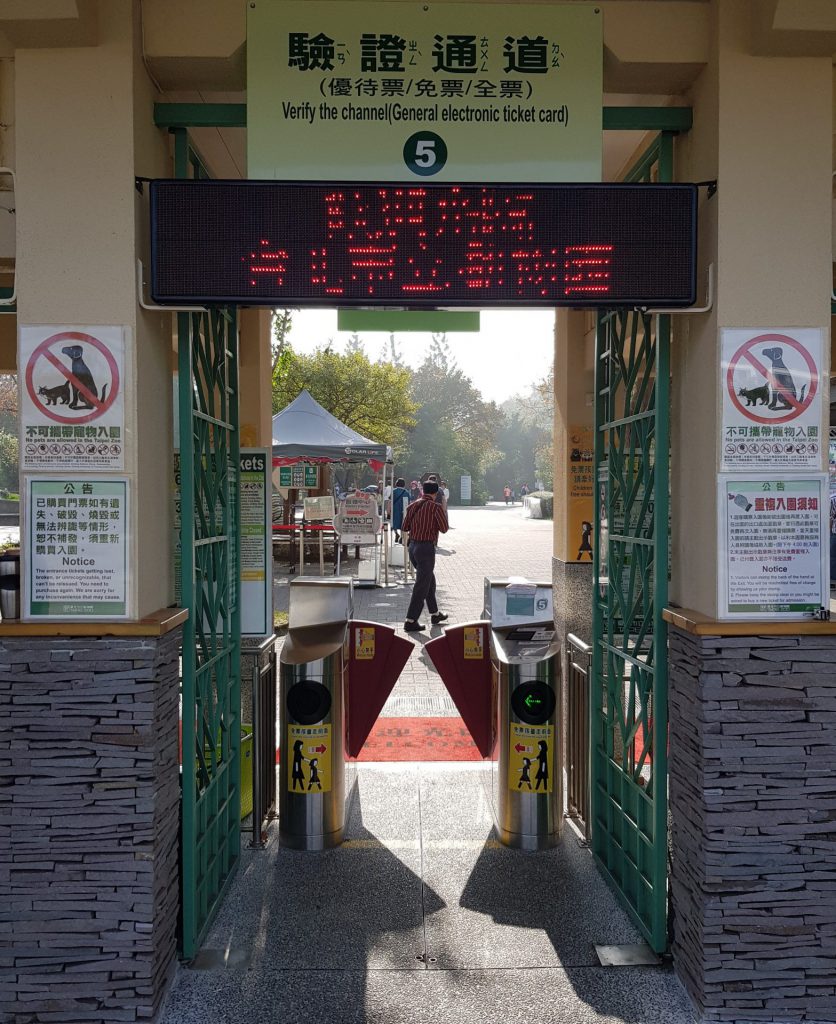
x: 772, y: 546
x: 256, y: 556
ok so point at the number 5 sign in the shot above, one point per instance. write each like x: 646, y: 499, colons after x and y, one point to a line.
x: 72, y: 397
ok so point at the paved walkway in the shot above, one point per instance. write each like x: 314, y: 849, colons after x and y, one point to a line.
x: 493, y: 541
x: 421, y: 916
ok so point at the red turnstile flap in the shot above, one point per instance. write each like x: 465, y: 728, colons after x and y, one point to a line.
x: 376, y: 659
x: 462, y: 656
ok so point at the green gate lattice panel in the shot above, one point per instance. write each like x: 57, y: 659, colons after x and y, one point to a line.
x: 628, y: 699
x: 211, y: 695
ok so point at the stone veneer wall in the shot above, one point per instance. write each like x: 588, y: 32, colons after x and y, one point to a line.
x: 753, y: 806
x: 89, y: 798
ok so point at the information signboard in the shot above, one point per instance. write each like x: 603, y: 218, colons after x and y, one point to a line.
x: 772, y: 406
x: 579, y: 506
x: 76, y: 555
x: 72, y: 397
x: 256, y: 558
x: 772, y: 546
x: 358, y: 520
x: 311, y: 244
x: 407, y: 91
x: 300, y: 475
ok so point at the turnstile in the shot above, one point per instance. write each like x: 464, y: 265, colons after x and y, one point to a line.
x: 312, y: 781
x: 335, y: 676
x: 503, y: 672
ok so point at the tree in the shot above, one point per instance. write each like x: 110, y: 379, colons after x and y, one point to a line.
x: 282, y: 322
x: 372, y: 398
x: 455, y: 430
x: 9, y: 461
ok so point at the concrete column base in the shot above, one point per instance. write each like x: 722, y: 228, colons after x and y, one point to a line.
x: 753, y: 806
x: 89, y: 889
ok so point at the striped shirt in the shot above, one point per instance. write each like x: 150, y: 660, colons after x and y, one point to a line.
x: 425, y: 519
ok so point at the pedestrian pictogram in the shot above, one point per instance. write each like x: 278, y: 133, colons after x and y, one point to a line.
x: 309, y: 749
x: 771, y: 398
x: 72, y: 399
x: 531, y: 758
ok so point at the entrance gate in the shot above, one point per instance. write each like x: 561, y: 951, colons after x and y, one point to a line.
x: 211, y: 695
x: 628, y: 699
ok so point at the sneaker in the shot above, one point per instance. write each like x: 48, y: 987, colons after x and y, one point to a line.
x: 413, y: 627
x: 438, y: 617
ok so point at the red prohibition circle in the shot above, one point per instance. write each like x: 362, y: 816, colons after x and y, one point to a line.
x: 45, y: 346
x: 782, y: 339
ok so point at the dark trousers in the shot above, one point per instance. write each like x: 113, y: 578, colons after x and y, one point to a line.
x: 422, y: 556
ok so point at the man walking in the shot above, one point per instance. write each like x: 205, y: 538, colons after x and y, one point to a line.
x: 424, y: 520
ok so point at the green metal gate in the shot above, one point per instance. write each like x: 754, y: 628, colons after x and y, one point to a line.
x: 628, y: 699
x: 211, y: 696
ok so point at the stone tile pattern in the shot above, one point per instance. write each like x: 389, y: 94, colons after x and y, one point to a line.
x: 753, y: 806
x: 89, y: 796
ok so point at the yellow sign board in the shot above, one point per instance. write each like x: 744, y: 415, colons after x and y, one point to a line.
x: 309, y: 750
x: 474, y: 643
x: 413, y: 92
x: 531, y: 758
x: 580, y: 503
x: 364, y: 643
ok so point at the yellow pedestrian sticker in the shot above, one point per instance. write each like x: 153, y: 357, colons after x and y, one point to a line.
x: 364, y: 643
x: 531, y: 758
x: 309, y: 751
x: 474, y: 647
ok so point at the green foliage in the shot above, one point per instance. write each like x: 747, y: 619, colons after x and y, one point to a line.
x: 546, y: 503
x: 9, y: 461
x: 372, y: 398
x: 455, y: 429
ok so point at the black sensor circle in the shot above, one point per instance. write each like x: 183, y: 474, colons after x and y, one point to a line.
x: 533, y: 703
x: 308, y: 703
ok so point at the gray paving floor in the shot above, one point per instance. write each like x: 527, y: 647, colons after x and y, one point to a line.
x: 421, y: 916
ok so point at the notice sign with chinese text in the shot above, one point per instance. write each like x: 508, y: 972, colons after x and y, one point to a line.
x: 579, y: 535
x: 772, y: 546
x: 408, y: 91
x: 256, y: 557
x: 72, y: 408
x: 76, y: 551
x: 772, y: 413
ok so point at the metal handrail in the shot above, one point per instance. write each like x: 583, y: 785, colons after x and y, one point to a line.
x: 577, y: 739
x: 264, y: 749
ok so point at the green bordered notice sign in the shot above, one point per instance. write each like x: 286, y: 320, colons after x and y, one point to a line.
x: 772, y: 546
x: 299, y: 476
x: 387, y: 91
x: 76, y: 552
x: 256, y: 560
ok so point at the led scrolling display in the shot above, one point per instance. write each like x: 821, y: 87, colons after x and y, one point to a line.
x: 422, y: 246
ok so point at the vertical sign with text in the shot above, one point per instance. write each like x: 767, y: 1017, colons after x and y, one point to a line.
x: 256, y: 558
x: 76, y: 555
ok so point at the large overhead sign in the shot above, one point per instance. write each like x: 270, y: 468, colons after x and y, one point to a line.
x: 302, y: 243
x: 409, y: 91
